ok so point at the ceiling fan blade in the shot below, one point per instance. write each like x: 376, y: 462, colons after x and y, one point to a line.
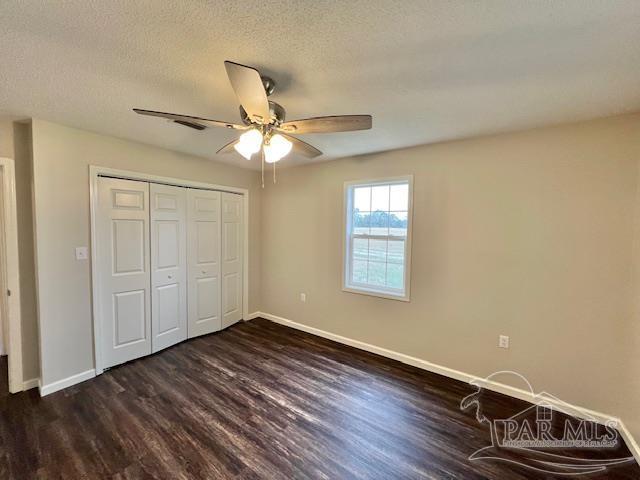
x: 335, y: 123
x: 189, y: 121
x: 195, y: 126
x: 302, y: 148
x: 228, y: 148
x: 247, y: 84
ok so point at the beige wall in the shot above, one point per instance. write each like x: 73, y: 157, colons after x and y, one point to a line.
x: 6, y: 139
x: 61, y: 159
x: 15, y: 143
x: 28, y: 300
x: 632, y: 366
x: 526, y: 234
x: 530, y: 234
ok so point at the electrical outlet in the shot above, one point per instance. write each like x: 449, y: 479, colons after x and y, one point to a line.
x: 503, y: 341
x: 303, y: 297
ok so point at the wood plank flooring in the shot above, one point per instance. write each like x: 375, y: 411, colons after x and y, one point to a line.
x: 258, y: 401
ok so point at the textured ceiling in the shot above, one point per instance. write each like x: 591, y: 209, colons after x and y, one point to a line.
x: 426, y: 70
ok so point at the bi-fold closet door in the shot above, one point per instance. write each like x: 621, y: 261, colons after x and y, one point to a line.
x: 232, y: 258
x: 170, y: 265
x: 205, y: 289
x: 216, y: 255
x: 124, y: 269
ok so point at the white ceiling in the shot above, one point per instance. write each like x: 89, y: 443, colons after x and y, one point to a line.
x: 426, y: 70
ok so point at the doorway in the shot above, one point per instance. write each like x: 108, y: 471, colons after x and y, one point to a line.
x: 10, y: 323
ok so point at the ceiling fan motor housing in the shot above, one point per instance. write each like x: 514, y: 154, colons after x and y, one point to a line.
x: 269, y: 84
x: 276, y: 111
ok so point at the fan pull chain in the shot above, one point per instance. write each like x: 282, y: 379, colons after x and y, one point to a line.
x: 262, y: 151
x: 274, y: 172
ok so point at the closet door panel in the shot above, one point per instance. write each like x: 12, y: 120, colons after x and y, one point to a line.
x: 204, y: 261
x: 168, y: 265
x: 122, y: 246
x: 129, y: 317
x: 168, y: 308
x: 207, y: 304
x: 232, y: 261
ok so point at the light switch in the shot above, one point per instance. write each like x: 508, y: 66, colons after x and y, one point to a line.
x: 82, y: 253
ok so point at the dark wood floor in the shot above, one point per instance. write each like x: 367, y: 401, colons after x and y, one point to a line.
x: 257, y: 401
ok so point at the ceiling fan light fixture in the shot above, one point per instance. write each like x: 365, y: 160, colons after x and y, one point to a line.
x: 277, y: 148
x: 262, y: 118
x: 249, y: 143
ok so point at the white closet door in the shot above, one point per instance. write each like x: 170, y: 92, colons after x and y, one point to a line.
x: 203, y: 213
x: 122, y: 227
x: 168, y: 265
x: 232, y: 253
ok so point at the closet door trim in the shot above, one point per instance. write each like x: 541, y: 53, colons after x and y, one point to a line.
x: 97, y: 171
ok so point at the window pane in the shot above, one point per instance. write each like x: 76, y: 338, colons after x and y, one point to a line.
x: 359, y: 273
x: 360, y: 248
x: 361, y: 222
x: 362, y: 199
x: 399, y: 197
x: 395, y: 275
x: 378, y: 250
x: 398, y: 223
x: 377, y: 273
x: 380, y: 198
x: 379, y: 223
x: 396, y: 251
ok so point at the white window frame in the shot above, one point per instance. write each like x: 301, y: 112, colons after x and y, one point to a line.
x: 347, y: 209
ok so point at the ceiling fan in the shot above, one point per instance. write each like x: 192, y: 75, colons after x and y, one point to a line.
x: 263, y: 121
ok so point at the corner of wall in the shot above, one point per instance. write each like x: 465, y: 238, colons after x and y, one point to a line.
x: 22, y: 140
x: 632, y: 416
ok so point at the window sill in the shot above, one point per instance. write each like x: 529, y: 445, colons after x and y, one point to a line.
x: 376, y: 293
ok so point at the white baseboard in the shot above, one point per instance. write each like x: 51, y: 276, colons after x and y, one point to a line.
x: 29, y: 384
x: 494, y: 386
x: 251, y: 316
x: 66, y: 382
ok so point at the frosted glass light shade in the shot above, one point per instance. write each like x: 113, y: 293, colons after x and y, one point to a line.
x: 277, y: 148
x: 249, y: 143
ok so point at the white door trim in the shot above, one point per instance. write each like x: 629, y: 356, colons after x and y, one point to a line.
x: 97, y: 171
x: 12, y: 272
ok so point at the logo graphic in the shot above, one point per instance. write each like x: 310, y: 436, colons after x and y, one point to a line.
x: 545, y: 437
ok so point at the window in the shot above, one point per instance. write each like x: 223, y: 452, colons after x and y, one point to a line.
x: 378, y: 237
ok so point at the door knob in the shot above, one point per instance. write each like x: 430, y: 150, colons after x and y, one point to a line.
x: 170, y: 276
